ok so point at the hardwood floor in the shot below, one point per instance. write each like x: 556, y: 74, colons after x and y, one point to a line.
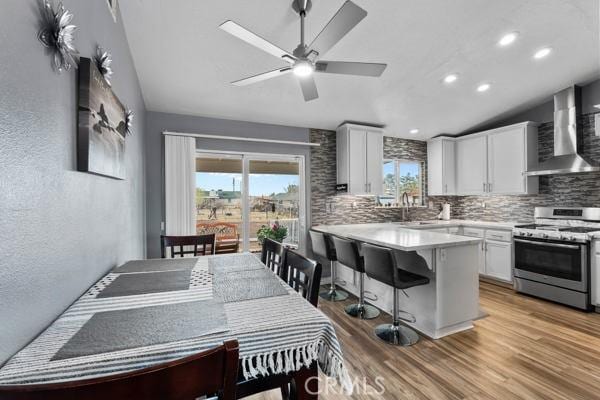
x: 525, y: 349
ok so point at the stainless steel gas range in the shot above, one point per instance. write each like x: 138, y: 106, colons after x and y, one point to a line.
x: 552, y: 256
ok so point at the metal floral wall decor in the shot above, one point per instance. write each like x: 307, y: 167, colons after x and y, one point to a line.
x: 128, y: 122
x: 56, y: 34
x: 112, y: 6
x: 103, y: 61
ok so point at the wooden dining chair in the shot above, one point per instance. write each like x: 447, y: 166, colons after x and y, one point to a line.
x: 272, y: 256
x: 203, y: 245
x: 205, y: 374
x: 303, y: 275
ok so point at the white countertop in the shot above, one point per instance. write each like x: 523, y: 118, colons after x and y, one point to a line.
x: 396, y: 236
x: 460, y: 222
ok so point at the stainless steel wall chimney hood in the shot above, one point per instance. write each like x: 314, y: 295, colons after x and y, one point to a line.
x: 568, y: 157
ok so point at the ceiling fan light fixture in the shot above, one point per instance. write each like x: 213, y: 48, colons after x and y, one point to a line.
x: 303, y: 68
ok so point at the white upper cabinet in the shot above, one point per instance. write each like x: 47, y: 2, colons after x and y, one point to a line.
x: 441, y: 166
x: 511, y: 152
x: 375, y: 162
x: 471, y: 165
x: 491, y: 162
x: 360, y: 159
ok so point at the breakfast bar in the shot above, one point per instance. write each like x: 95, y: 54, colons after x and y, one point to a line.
x: 449, y: 303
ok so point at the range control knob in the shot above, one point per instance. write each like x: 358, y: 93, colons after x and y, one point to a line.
x: 545, y: 235
x: 529, y: 234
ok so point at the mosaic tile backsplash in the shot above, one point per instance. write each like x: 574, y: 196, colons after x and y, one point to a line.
x: 576, y: 190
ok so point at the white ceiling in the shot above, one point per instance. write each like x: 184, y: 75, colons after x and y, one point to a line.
x: 185, y: 63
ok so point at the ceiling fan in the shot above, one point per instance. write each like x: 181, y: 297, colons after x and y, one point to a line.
x: 304, y: 60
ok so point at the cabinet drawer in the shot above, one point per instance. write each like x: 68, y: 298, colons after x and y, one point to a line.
x: 454, y: 230
x: 503, y: 236
x: 474, y: 232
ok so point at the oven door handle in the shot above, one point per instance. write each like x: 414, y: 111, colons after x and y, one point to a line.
x: 562, y: 246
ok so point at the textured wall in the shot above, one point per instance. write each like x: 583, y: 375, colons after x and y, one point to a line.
x: 327, y: 207
x: 61, y: 229
x: 574, y: 190
x: 157, y: 122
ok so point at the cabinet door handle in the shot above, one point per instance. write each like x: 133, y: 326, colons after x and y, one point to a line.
x: 489, y: 187
x: 446, y: 188
x: 484, y: 187
x: 369, y: 187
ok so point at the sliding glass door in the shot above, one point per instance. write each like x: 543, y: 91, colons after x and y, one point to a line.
x: 250, y: 197
x: 219, y: 207
x: 274, y: 200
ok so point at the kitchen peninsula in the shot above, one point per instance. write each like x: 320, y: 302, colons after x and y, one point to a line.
x: 450, y: 302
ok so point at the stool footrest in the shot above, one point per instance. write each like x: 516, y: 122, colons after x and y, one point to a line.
x: 373, y: 296
x: 405, y: 316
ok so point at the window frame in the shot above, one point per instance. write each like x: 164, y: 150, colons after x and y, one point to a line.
x: 397, y: 164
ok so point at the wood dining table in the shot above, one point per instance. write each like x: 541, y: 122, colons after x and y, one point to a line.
x: 147, y: 312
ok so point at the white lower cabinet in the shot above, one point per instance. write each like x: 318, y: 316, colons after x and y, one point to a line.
x: 498, y: 260
x: 495, y: 252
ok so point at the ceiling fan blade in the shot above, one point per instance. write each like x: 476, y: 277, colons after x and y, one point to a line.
x: 350, y: 68
x: 347, y: 17
x: 309, y: 88
x: 251, y: 38
x: 262, y: 77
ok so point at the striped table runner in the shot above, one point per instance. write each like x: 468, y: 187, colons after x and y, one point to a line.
x: 276, y: 334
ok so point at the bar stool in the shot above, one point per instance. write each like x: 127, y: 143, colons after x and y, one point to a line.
x: 324, y: 248
x: 348, y: 254
x: 384, y: 265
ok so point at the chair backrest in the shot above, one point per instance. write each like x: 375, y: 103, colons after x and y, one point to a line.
x: 203, y: 245
x: 322, y: 245
x: 222, y: 230
x: 303, y: 275
x: 347, y: 253
x: 273, y: 256
x: 213, y: 371
x: 379, y: 263
x: 391, y: 267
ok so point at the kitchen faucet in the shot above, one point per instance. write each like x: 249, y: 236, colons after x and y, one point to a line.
x: 405, y: 211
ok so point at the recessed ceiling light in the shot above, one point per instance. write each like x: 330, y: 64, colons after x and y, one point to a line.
x: 508, y: 38
x: 543, y: 52
x: 450, y: 78
x: 414, y: 131
x: 484, y: 87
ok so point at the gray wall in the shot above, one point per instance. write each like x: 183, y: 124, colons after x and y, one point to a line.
x: 61, y: 229
x: 543, y: 112
x: 156, y: 123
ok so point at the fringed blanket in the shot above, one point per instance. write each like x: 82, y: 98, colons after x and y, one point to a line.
x: 276, y: 334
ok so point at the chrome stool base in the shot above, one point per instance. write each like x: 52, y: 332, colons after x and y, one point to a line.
x: 365, y: 311
x: 397, y: 335
x: 333, y: 295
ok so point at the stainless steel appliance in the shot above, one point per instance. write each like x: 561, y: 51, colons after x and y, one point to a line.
x: 568, y: 157
x: 552, y: 256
